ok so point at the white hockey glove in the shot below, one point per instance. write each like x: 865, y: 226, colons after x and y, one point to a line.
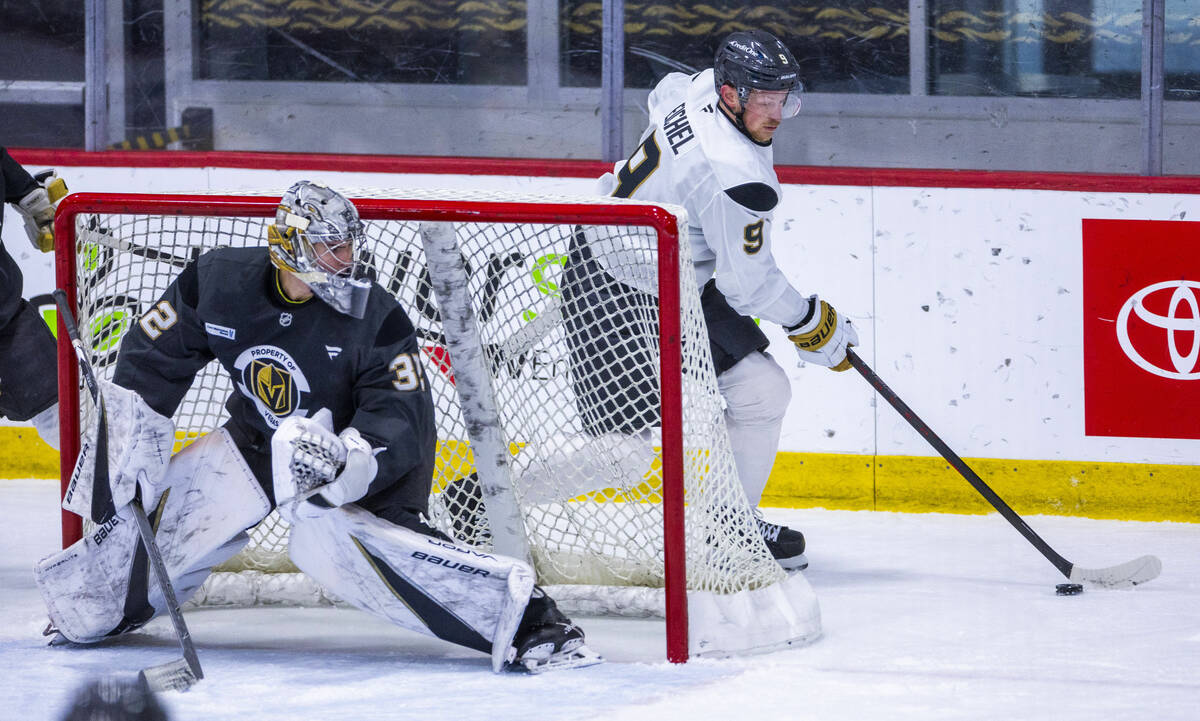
x: 825, y: 337
x: 38, y: 209
x: 314, y: 470
x: 139, y: 448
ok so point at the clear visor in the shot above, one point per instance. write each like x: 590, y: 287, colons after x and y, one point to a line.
x: 335, y: 254
x: 781, y: 103
x: 332, y: 265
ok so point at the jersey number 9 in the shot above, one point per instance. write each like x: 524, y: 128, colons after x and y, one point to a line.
x: 753, y: 237
x: 632, y: 174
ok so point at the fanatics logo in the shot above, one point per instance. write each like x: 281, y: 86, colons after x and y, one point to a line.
x: 333, y: 351
x: 1141, y: 328
x: 285, y: 319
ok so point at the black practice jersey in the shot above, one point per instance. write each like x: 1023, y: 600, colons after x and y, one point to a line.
x: 17, y: 184
x: 28, y: 384
x: 287, y: 357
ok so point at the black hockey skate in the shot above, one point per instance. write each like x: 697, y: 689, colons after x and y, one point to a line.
x: 786, y: 545
x: 546, y: 640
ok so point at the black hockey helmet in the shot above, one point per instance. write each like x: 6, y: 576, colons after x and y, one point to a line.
x: 757, y: 60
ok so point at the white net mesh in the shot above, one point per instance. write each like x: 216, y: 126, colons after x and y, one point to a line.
x: 567, y: 315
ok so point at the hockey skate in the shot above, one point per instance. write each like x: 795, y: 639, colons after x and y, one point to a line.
x: 56, y: 638
x: 546, y: 640
x: 786, y: 545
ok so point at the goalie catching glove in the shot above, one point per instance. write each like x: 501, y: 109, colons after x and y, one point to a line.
x: 823, y: 336
x: 38, y: 206
x: 315, y: 470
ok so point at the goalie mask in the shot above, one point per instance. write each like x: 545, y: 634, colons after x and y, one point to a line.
x: 318, y: 236
x: 757, y: 60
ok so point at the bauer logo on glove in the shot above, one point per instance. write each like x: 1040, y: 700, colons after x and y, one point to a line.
x: 823, y: 336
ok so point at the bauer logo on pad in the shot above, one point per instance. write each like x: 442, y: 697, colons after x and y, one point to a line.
x: 1141, y: 328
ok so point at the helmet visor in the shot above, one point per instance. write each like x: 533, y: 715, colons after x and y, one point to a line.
x: 335, y: 254
x: 784, y: 103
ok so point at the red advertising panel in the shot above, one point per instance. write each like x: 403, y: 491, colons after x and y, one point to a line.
x: 1141, y: 328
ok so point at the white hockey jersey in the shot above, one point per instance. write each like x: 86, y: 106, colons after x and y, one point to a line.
x: 694, y: 156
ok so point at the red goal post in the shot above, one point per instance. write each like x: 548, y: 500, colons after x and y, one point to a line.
x: 77, y: 246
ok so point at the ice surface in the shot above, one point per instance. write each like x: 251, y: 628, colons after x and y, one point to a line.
x: 926, y: 616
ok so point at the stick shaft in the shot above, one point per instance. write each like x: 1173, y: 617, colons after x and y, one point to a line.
x: 145, y: 531
x: 168, y: 591
x: 1063, y: 565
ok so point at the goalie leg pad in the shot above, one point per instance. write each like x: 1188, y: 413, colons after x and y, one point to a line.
x: 416, y: 581
x: 102, y: 585
x: 46, y: 424
x: 139, y: 446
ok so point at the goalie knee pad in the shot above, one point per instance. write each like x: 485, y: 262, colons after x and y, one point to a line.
x: 102, y: 585
x: 417, y: 581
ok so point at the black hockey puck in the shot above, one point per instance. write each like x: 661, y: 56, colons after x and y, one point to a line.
x: 1068, y: 589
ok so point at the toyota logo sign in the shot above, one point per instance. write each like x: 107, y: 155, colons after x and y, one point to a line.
x: 1141, y: 328
x: 1174, y: 325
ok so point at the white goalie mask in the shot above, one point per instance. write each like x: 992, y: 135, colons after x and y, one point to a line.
x: 318, y: 236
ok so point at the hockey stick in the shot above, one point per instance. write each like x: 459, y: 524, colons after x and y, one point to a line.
x: 107, y: 238
x: 182, y: 673
x: 1124, y: 575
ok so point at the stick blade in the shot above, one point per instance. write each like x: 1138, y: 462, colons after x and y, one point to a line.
x: 1124, y: 575
x: 172, y: 676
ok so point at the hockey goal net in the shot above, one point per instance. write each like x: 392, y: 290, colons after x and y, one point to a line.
x: 580, y: 426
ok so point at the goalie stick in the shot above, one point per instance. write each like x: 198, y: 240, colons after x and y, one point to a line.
x: 94, y: 233
x: 1124, y: 575
x: 180, y: 674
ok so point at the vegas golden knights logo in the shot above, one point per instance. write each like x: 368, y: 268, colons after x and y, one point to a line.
x: 273, y: 380
x: 273, y: 386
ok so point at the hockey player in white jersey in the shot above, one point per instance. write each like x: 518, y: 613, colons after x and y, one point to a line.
x: 709, y: 149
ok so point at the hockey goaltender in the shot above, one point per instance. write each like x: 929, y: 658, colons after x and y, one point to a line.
x: 349, y: 463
